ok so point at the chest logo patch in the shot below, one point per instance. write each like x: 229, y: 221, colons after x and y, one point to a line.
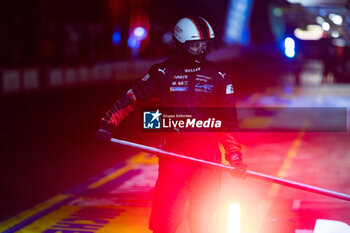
x: 162, y: 70
x: 172, y: 89
x: 222, y: 74
x: 204, y: 88
x: 192, y: 70
x: 181, y: 77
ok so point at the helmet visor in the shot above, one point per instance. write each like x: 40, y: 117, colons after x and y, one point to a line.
x: 198, y: 47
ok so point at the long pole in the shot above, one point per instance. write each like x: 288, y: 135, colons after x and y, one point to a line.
x: 252, y: 174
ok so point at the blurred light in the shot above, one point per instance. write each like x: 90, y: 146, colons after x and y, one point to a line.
x: 138, y: 30
x: 277, y: 11
x: 312, y: 32
x: 322, y: 12
x: 133, y: 42
x: 339, y: 42
x: 324, y: 225
x: 336, y: 19
x: 335, y: 34
x: 167, y: 37
x: 237, y: 22
x: 136, y: 37
x: 326, y: 26
x: 330, y: 16
x: 234, y: 218
x: 319, y: 20
x: 289, y: 47
x: 116, y: 37
x: 140, y: 33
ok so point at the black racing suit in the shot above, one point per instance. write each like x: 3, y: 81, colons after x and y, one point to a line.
x: 188, y: 84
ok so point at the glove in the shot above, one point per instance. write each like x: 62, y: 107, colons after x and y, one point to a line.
x: 103, y: 135
x: 235, y: 161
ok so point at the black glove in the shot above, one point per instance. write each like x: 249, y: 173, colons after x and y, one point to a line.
x: 103, y: 135
x: 235, y: 161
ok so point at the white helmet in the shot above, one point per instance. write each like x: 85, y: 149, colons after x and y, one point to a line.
x: 193, y: 34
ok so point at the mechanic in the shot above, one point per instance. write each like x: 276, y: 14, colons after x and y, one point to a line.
x: 186, y: 81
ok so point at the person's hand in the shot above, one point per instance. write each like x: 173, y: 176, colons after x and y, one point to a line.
x: 104, y: 135
x: 235, y: 161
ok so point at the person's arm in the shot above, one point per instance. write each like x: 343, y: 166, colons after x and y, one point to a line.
x: 143, y: 90
x: 233, y: 150
x: 114, y: 116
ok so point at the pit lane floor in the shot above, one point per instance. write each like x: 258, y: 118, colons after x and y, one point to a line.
x: 119, y: 200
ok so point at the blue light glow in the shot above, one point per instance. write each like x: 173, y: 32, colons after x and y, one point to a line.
x: 237, y: 22
x: 136, y: 37
x: 134, y: 42
x: 289, y: 47
x: 116, y: 37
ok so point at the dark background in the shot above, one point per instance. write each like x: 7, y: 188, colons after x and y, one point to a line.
x: 47, y: 135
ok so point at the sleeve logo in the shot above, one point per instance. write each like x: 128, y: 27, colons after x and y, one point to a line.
x: 146, y: 77
x: 229, y: 89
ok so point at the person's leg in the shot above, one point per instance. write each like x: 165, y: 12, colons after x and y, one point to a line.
x: 204, y: 195
x: 205, y: 186
x: 171, y: 193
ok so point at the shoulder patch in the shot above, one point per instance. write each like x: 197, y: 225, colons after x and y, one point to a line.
x: 146, y: 77
x: 132, y: 95
x: 229, y: 89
